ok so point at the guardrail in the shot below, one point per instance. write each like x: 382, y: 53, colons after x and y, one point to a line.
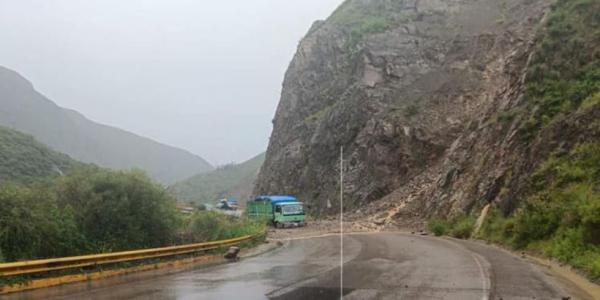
x: 53, y: 264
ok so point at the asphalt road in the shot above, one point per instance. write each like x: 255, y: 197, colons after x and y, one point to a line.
x: 376, y: 266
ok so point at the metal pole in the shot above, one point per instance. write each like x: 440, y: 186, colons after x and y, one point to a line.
x: 341, y: 222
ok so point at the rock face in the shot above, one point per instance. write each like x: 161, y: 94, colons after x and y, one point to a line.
x: 408, y: 89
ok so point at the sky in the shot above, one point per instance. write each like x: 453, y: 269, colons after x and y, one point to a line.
x: 200, y: 75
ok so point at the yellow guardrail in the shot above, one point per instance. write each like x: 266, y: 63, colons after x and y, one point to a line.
x: 45, y: 265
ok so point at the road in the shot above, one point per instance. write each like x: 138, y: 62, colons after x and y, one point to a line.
x: 376, y: 266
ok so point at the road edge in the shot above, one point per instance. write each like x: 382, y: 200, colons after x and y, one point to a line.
x: 569, y: 278
x: 169, y: 267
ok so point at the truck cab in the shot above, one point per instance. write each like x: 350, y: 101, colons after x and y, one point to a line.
x: 289, y: 214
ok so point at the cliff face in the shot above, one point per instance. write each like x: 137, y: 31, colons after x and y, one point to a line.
x: 410, y: 90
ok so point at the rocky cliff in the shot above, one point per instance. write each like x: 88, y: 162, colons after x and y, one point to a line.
x: 431, y: 100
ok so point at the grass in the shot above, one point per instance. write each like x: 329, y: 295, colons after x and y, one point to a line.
x: 213, y: 226
x: 459, y: 227
x: 360, y: 20
x: 224, y: 182
x: 565, y: 67
x: 319, y: 115
x: 438, y: 227
x: 25, y: 161
x: 561, y: 219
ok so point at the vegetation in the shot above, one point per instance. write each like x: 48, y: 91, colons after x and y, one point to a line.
x: 69, y: 132
x: 458, y: 227
x: 565, y: 67
x: 95, y: 210
x: 227, y: 181
x: 24, y: 161
x: 211, y: 225
x: 361, y: 20
x: 438, y: 227
x: 561, y: 219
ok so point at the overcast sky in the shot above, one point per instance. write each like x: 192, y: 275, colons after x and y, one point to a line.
x: 197, y: 74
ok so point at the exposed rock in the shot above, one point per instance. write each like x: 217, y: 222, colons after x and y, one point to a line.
x: 409, y: 100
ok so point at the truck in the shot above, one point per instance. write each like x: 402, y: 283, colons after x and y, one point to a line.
x: 281, y: 211
x: 228, y: 207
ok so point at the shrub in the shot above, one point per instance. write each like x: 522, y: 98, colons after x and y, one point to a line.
x: 458, y: 227
x: 438, y: 227
x: 118, y: 210
x: 211, y: 225
x: 462, y: 227
x: 96, y: 210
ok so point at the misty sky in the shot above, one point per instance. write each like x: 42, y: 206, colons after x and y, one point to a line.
x: 197, y: 74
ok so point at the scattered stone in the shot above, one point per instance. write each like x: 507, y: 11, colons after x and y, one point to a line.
x: 232, y: 253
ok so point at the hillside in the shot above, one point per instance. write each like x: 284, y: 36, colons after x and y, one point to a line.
x: 235, y: 180
x: 450, y: 110
x: 23, y: 160
x: 24, y: 109
x: 399, y: 84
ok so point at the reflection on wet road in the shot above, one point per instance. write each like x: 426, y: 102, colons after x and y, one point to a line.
x: 376, y: 266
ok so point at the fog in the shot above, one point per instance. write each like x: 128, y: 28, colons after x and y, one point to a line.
x: 201, y: 75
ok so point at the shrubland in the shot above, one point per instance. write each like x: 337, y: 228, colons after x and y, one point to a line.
x: 94, y: 210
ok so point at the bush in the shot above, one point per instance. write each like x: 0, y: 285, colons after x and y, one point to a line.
x: 95, y: 210
x: 438, y: 227
x: 212, y: 225
x: 459, y: 227
x: 33, y: 226
x: 496, y: 227
x: 462, y: 227
x: 119, y: 210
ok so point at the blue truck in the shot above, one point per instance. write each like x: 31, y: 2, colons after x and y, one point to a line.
x: 281, y: 211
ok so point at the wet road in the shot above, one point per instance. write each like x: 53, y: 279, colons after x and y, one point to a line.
x: 376, y: 266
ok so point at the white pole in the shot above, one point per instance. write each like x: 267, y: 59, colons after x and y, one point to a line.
x: 341, y: 222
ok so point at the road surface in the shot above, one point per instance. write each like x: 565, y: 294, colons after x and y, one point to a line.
x: 376, y: 266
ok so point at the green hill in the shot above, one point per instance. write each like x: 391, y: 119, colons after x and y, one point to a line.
x: 67, y: 131
x: 24, y: 160
x: 234, y: 180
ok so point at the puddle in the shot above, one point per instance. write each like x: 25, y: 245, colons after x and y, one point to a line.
x: 303, y: 293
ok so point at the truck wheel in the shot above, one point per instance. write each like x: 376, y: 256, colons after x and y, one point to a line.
x: 278, y: 225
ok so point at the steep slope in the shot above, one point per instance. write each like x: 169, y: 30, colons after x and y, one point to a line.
x: 235, y: 180
x: 24, y: 160
x: 401, y: 85
x: 67, y: 131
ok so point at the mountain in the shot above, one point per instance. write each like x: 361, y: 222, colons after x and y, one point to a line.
x: 24, y: 160
x: 24, y: 109
x: 234, y: 180
x: 398, y: 84
x: 442, y: 107
x: 479, y: 118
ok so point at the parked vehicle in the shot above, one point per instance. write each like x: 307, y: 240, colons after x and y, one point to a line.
x: 281, y: 211
x: 228, y: 207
